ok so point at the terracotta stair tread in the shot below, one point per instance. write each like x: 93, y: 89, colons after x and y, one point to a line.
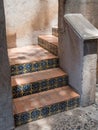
x: 36, y: 76
x: 42, y: 99
x: 50, y: 38
x: 28, y: 54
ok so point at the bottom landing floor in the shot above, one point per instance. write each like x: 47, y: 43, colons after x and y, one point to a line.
x: 85, y: 118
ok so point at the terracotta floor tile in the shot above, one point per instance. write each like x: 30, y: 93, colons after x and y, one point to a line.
x: 28, y: 54
x: 32, y: 104
x: 71, y: 93
x: 19, y: 107
x: 42, y: 99
x: 49, y: 38
x: 65, y: 93
x: 36, y: 76
x: 48, y: 98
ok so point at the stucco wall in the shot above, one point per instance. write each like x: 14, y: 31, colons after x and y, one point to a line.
x: 26, y: 19
x: 89, y: 8
x: 6, y: 112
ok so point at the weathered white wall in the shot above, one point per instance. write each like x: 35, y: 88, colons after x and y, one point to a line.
x: 26, y: 19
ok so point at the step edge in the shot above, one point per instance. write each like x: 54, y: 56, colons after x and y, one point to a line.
x: 49, y: 105
x: 39, y: 80
x: 54, y: 57
x: 66, y: 88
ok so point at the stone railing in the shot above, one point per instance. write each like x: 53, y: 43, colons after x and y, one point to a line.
x: 78, y: 55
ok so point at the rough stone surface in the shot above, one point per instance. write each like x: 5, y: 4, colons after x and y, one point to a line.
x: 72, y: 120
x: 78, y: 55
x: 84, y: 28
x: 88, y: 79
x: 88, y: 8
x: 6, y: 112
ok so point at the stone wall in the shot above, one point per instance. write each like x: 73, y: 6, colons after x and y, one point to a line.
x: 89, y: 8
x: 25, y: 20
x: 6, y: 112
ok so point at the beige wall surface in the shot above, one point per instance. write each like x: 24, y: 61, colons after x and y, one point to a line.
x: 26, y: 19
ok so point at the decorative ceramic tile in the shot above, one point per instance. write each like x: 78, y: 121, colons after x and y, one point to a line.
x: 32, y: 67
x: 45, y: 111
x: 35, y: 114
x: 39, y: 86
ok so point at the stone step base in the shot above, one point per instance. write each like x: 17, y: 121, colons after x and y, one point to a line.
x: 55, y: 31
x: 37, y: 106
x: 31, y: 59
x: 36, y: 82
x: 49, y: 42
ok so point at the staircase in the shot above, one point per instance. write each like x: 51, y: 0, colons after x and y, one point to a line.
x: 40, y: 87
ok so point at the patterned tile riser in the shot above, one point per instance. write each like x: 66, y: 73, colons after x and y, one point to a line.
x: 33, y: 67
x: 50, y: 47
x: 39, y: 86
x: 46, y: 111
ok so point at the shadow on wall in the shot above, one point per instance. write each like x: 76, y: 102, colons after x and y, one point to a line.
x: 25, y: 20
x: 42, y: 17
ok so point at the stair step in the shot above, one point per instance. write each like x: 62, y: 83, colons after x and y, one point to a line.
x: 55, y: 31
x: 30, y: 59
x: 35, y: 82
x: 49, y: 42
x: 37, y: 106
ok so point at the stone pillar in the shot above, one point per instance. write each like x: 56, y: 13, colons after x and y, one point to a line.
x: 6, y: 112
x: 88, y: 8
x: 78, y: 55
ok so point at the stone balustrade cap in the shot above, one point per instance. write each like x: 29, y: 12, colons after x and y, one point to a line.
x: 81, y: 26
